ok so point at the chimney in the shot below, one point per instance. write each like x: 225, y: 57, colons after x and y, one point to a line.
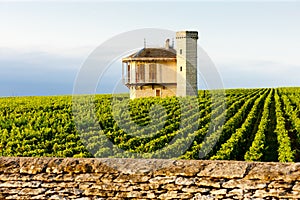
x: 167, y: 45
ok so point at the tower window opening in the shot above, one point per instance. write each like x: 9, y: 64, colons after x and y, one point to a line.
x: 181, y: 68
x: 180, y: 51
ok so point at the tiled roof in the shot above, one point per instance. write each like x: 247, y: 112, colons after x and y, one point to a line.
x: 154, y: 53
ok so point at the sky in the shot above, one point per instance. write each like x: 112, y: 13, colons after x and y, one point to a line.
x: 44, y: 44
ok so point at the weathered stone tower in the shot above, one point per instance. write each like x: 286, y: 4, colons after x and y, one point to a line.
x: 186, y: 57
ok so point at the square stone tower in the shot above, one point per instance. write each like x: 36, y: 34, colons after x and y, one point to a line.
x: 186, y: 42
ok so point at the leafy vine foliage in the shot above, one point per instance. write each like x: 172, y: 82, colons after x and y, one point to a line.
x: 254, y: 125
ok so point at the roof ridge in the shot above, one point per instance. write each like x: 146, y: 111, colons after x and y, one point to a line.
x: 154, y: 53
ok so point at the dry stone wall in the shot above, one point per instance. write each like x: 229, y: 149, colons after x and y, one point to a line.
x: 71, y: 178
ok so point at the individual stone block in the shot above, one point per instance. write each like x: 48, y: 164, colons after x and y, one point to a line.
x: 9, y: 165
x: 185, y: 181
x: 172, y: 187
x: 32, y: 184
x: 260, y: 194
x: 245, y: 184
x: 175, y: 195
x: 11, y: 184
x: 195, y: 189
x: 296, y: 187
x: 84, y: 186
x: 43, y: 176
x: 56, y: 197
x: 133, y: 178
x: 33, y: 166
x: 225, y: 169
x: 200, y: 196
x: 145, y: 186
x: 180, y: 168
x: 131, y: 194
x: 107, y: 178
x: 150, y: 195
x: 207, y: 182
x: 59, y: 184
x: 82, y: 198
x: 98, y: 192
x: 135, y: 166
x: 15, y: 197
x: 163, y: 180
x: 39, y: 197
x: 9, y: 190
x: 87, y: 177
x: 113, y: 187
x: 218, y: 192
x: 15, y: 177
x: 235, y: 193
x: 275, y: 171
x: 78, y: 166
x: 32, y: 191
x: 54, y: 166
x: 276, y: 184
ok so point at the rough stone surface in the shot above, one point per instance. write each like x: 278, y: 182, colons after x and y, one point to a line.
x: 71, y: 178
x: 218, y: 169
x: 245, y: 184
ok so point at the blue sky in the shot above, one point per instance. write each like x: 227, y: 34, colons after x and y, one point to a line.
x: 44, y: 44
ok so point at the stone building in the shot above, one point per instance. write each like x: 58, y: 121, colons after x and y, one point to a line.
x: 163, y: 72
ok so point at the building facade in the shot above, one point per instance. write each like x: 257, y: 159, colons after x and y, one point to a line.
x: 163, y: 72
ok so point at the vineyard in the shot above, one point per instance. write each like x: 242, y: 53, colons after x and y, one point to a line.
x: 241, y: 124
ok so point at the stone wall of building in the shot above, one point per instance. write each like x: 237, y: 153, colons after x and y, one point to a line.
x: 58, y: 178
x: 150, y: 91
